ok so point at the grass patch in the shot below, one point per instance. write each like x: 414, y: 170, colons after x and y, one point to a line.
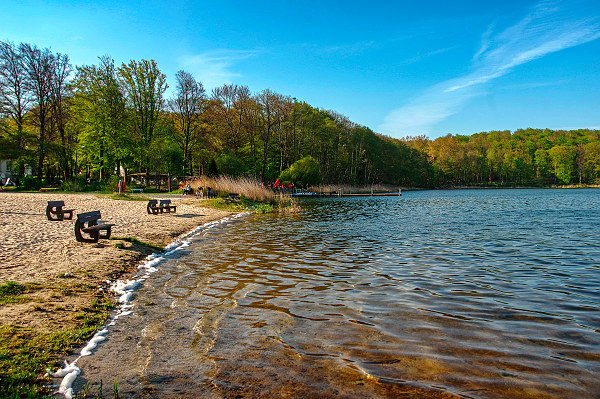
x: 25, y: 353
x: 86, y: 392
x: 124, y: 197
x: 11, y: 292
x: 283, y: 204
x: 220, y: 203
x: 134, y: 240
x: 261, y: 208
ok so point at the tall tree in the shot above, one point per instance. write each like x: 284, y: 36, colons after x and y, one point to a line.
x: 563, y: 158
x: 187, y: 107
x: 231, y: 102
x: 144, y: 85
x: 14, y: 97
x: 58, y: 94
x: 100, y: 116
x: 39, y: 69
x: 272, y: 112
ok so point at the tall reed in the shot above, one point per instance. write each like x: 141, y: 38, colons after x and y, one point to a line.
x: 245, y: 186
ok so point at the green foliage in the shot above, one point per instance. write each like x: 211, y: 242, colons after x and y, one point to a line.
x: 115, y: 117
x: 30, y: 183
x: 302, y: 173
x: 533, y: 157
x: 213, y: 170
x: 229, y: 165
x: 563, y: 159
x: 262, y: 208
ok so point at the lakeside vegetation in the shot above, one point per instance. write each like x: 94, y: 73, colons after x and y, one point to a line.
x: 59, y: 119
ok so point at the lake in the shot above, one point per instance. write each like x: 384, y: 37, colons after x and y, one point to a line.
x: 458, y: 293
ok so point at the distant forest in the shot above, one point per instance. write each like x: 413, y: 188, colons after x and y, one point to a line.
x: 56, y: 119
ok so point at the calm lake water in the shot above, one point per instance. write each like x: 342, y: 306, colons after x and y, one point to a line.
x: 470, y: 293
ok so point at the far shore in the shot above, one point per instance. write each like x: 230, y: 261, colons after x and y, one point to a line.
x: 65, y: 276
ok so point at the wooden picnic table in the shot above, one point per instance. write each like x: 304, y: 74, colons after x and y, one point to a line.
x: 56, y: 208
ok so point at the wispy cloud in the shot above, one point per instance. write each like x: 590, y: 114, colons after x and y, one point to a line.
x: 485, y: 41
x: 426, y: 55
x: 215, y: 67
x: 349, y: 49
x: 547, y: 28
x: 360, y: 47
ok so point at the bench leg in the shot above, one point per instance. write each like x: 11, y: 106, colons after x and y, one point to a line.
x: 68, y: 215
x: 79, y: 237
x: 105, y: 235
x: 49, y: 213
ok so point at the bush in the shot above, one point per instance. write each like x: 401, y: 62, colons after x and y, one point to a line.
x: 30, y: 183
x: 110, y: 185
x: 304, y: 172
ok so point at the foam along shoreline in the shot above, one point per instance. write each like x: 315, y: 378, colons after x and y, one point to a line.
x: 125, y: 291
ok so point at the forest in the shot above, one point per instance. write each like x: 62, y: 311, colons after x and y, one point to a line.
x: 59, y: 121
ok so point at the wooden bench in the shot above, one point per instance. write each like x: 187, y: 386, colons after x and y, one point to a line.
x: 153, y: 207
x: 88, y: 223
x: 56, y: 208
x: 167, y: 207
x: 233, y: 198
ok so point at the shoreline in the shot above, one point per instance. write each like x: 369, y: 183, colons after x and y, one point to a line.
x: 65, y: 377
x: 65, y: 282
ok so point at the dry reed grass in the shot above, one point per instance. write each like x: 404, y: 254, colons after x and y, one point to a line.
x: 244, y: 186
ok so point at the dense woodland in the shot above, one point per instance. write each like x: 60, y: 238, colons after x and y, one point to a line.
x: 60, y: 120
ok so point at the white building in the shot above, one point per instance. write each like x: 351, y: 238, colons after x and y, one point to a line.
x: 4, y: 170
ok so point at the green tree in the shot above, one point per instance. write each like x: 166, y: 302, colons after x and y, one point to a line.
x: 14, y: 101
x: 592, y: 160
x: 563, y: 160
x: 543, y: 163
x: 144, y: 86
x: 39, y: 69
x: 99, y: 116
x: 303, y: 173
x: 187, y: 107
x: 230, y: 165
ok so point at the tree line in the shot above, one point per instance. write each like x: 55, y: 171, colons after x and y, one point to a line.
x: 525, y: 157
x: 100, y: 120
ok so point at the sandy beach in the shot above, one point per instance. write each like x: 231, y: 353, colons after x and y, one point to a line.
x: 67, y: 275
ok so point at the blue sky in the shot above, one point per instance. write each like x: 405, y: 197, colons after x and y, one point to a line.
x: 401, y: 68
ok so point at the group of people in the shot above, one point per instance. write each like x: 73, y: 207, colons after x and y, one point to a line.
x: 278, y: 186
x: 201, y: 192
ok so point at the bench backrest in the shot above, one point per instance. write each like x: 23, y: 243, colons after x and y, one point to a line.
x: 165, y: 202
x: 55, y: 204
x: 88, y: 216
x: 152, y: 202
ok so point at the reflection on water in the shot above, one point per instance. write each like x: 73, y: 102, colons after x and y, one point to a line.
x: 474, y: 293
